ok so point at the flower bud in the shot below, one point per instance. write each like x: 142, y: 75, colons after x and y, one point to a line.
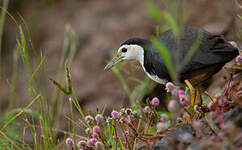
x: 69, y: 142
x: 147, y: 108
x: 239, y: 60
x: 96, y: 129
x: 182, y: 97
x: 170, y: 87
x: 115, y: 114
x: 91, y: 142
x: 89, y: 119
x: 99, y: 117
x: 155, y: 102
x: 163, y: 117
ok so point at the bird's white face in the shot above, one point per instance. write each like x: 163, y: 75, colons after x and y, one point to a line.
x: 130, y: 52
x: 127, y: 52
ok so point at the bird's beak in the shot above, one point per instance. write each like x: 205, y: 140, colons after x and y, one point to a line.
x: 116, y: 59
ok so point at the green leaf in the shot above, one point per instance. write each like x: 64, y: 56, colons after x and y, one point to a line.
x: 154, y: 11
x: 152, y: 131
x: 68, y: 90
x: 172, y: 22
x: 192, y: 51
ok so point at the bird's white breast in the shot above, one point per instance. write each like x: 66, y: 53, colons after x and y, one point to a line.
x: 155, y: 77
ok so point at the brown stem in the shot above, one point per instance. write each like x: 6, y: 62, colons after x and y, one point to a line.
x: 116, y: 136
x: 126, y: 139
x: 103, y: 140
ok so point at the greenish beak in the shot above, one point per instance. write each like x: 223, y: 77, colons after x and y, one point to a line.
x: 116, y: 59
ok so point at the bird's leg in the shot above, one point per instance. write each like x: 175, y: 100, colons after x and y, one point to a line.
x: 192, y: 92
x: 198, y: 99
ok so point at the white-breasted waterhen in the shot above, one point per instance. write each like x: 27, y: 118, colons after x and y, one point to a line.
x: 211, y: 55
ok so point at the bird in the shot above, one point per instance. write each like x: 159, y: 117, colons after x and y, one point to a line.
x: 212, y: 53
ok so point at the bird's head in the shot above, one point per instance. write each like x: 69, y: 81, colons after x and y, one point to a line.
x: 132, y: 49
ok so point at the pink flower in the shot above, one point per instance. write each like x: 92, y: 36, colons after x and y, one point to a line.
x: 170, y: 87
x: 164, y: 117
x: 147, y: 108
x: 114, y: 114
x: 239, y: 60
x: 99, y: 117
x: 155, y: 102
x: 161, y: 126
x: 114, y: 137
x: 182, y: 97
x: 95, y: 135
x: 69, y: 142
x: 81, y: 149
x: 173, y: 106
x: 91, y: 142
x: 181, y: 92
x: 96, y: 129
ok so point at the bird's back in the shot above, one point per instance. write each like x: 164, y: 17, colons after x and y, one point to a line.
x: 213, y: 50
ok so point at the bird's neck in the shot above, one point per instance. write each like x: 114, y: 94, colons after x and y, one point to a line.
x: 140, y: 57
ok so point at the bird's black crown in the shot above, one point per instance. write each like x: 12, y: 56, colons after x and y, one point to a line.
x: 137, y: 41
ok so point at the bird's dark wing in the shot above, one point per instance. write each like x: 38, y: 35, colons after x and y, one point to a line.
x: 154, y: 65
x: 213, y: 49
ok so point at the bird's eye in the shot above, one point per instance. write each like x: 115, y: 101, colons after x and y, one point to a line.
x: 124, y: 50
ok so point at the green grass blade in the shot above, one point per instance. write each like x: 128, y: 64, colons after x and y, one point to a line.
x: 21, y: 112
x: 172, y: 22
x: 38, y: 67
x: 154, y: 11
x: 191, y: 52
x: 2, y: 20
x: 166, y: 56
